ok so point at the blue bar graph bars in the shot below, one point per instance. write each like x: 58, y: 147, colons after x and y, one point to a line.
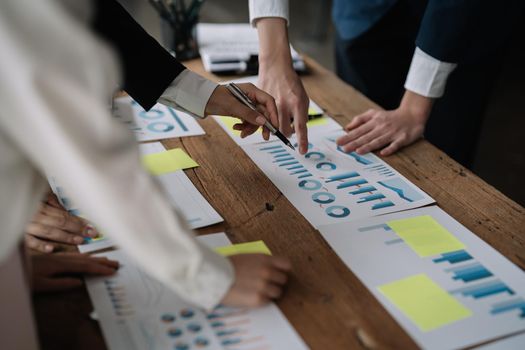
x: 352, y: 183
x: 374, y: 227
x: 382, y: 205
x: 469, y: 273
x: 271, y: 148
x: 454, y: 257
x: 343, y: 176
x: 381, y: 169
x: 361, y: 190
x: 483, y: 290
x: 510, y: 305
x: 371, y: 197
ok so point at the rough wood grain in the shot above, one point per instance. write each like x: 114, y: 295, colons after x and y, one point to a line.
x: 324, y: 301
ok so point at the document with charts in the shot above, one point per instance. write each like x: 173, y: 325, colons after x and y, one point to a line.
x: 181, y: 193
x: 443, y: 284
x: 137, y: 312
x: 160, y: 122
x: 330, y: 186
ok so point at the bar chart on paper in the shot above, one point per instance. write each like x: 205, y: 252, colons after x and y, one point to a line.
x: 138, y: 312
x: 329, y: 186
x: 477, y: 294
x: 160, y: 122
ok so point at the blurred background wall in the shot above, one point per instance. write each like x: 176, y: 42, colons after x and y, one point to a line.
x: 501, y: 152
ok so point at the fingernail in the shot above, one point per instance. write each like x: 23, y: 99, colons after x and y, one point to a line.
x: 260, y: 120
x: 91, y: 231
x: 78, y: 240
x: 48, y: 248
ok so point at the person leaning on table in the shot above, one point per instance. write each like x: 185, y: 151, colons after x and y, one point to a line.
x: 458, y: 39
x: 55, y: 82
x: 425, y: 45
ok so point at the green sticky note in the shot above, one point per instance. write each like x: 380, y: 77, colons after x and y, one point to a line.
x: 425, y: 235
x: 244, y: 248
x: 424, y: 302
x: 168, y: 161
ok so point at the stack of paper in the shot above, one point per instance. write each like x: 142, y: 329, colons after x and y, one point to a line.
x: 233, y: 49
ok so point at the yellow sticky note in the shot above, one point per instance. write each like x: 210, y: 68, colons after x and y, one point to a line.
x: 244, y: 248
x: 230, y: 122
x: 317, y: 122
x: 424, y: 302
x: 168, y: 161
x: 425, y: 235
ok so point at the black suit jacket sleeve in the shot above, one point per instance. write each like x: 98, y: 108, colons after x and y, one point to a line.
x: 147, y: 67
x: 467, y: 30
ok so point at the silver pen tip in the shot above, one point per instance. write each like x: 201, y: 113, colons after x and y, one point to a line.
x: 291, y: 146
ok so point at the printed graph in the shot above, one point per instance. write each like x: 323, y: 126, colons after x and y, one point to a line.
x: 476, y: 294
x: 157, y: 123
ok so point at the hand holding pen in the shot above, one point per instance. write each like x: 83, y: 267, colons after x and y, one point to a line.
x: 223, y: 102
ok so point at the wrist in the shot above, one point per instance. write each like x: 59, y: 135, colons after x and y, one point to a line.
x: 418, y: 106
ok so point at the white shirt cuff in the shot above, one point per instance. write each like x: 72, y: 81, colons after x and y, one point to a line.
x: 189, y: 92
x: 268, y: 8
x: 427, y: 75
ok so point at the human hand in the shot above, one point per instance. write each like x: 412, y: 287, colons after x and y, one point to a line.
x: 278, y: 78
x: 222, y: 102
x: 259, y: 278
x: 389, y: 130
x: 64, y: 271
x: 53, y: 224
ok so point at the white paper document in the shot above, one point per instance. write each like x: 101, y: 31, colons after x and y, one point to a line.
x: 137, y: 312
x: 160, y: 122
x: 444, y: 285
x: 182, y: 194
x: 330, y: 186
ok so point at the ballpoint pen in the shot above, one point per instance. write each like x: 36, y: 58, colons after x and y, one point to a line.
x: 244, y: 99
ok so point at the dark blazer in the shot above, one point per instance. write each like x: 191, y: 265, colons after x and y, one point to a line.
x: 468, y: 30
x: 450, y: 30
x: 148, y: 69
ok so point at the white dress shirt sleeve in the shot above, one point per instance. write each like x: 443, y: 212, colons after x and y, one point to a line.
x: 189, y: 92
x: 54, y: 82
x: 427, y: 75
x: 268, y: 8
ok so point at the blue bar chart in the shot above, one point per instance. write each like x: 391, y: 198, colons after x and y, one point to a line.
x: 471, y: 272
x: 483, y: 290
x: 329, y: 186
x: 473, y: 294
x: 454, y: 257
x: 517, y: 304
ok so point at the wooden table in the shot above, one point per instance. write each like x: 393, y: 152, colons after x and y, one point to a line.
x: 325, y: 302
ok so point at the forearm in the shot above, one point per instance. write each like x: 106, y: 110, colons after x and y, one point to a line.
x: 274, y: 46
x: 113, y: 190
